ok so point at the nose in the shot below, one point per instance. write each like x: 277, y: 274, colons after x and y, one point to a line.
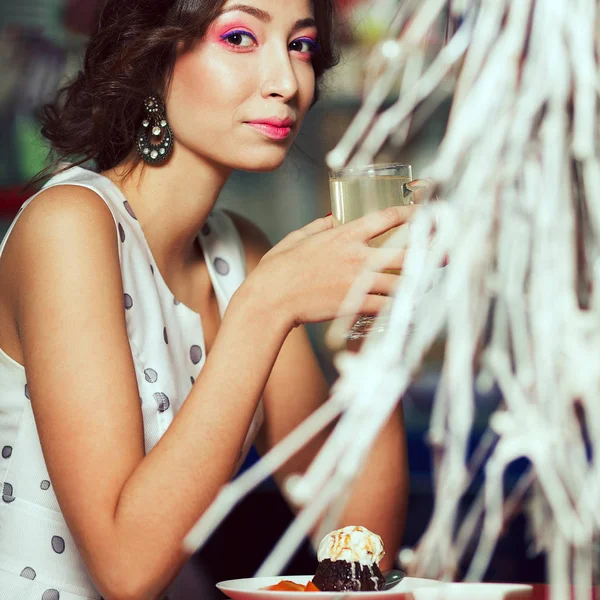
x: 278, y: 76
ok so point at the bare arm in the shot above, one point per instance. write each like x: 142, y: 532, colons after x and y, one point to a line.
x: 379, y: 497
x: 86, y: 405
x: 296, y: 387
x: 128, y: 512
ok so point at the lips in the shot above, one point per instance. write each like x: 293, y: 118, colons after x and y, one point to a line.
x: 277, y: 129
x: 274, y: 122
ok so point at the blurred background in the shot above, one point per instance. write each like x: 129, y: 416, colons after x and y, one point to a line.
x: 41, y: 46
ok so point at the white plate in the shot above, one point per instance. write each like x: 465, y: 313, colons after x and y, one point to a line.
x: 410, y: 588
x: 476, y: 591
x: 250, y: 589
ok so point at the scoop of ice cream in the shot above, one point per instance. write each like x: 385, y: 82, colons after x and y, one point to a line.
x: 352, y: 544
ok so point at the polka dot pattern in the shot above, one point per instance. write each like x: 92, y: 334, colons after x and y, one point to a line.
x: 129, y: 210
x: 195, y: 354
x: 42, y: 559
x: 58, y: 544
x: 151, y: 375
x: 162, y: 401
x: 28, y: 573
x: 221, y: 266
x: 7, y: 493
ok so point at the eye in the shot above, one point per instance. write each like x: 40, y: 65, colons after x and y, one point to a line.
x: 304, y: 45
x: 241, y: 39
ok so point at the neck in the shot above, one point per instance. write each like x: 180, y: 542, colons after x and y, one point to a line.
x: 171, y: 202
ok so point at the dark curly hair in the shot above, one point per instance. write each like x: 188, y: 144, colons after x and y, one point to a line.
x: 129, y: 57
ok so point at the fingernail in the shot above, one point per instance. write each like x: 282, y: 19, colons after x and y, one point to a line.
x: 413, y: 186
x: 419, y: 184
x: 328, y: 215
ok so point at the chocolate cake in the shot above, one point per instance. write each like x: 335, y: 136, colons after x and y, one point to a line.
x: 349, y: 561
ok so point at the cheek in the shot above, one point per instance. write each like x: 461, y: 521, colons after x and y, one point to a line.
x: 203, y: 87
x: 306, y: 86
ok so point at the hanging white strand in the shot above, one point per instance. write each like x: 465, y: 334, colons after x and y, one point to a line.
x: 518, y: 173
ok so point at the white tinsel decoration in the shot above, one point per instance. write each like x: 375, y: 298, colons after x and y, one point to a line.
x: 518, y: 215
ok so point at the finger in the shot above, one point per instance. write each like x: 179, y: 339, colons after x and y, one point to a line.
x: 317, y: 226
x: 387, y: 259
x: 421, y: 189
x: 385, y: 284
x: 373, y: 304
x: 379, y: 222
x: 312, y: 228
x: 422, y: 183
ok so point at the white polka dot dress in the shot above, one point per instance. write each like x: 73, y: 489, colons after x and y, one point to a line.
x: 38, y: 558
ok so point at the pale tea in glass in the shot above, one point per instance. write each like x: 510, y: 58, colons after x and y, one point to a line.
x: 357, y: 191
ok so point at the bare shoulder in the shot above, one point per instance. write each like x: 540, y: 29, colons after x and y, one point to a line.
x: 256, y: 243
x: 65, y: 231
x: 61, y: 219
x: 65, y: 204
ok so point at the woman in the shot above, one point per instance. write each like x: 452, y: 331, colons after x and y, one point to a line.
x: 146, y: 339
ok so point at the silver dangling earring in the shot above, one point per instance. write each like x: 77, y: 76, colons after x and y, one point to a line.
x: 155, y: 138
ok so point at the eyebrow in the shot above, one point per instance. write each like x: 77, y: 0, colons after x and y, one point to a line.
x: 261, y: 15
x: 303, y: 23
x: 265, y: 17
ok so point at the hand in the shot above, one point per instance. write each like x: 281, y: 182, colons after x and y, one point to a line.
x: 422, y: 189
x: 309, y: 273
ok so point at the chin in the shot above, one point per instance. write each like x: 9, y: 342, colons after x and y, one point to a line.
x: 262, y: 164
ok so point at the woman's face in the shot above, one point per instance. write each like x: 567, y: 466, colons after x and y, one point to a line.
x: 239, y: 96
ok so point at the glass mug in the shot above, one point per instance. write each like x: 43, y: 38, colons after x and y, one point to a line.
x: 357, y: 191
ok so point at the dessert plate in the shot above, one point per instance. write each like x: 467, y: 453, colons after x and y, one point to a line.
x: 250, y: 589
x: 475, y: 591
x: 410, y: 588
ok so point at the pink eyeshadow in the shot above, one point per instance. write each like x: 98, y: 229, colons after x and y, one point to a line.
x: 216, y: 31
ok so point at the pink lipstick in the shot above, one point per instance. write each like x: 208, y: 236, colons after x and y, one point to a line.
x: 276, y: 129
